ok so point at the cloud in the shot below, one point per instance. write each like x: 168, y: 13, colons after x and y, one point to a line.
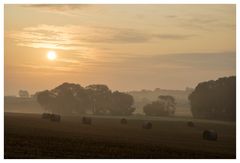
x: 163, y: 63
x: 171, y: 16
x: 204, y: 17
x: 58, y: 7
x: 173, y: 36
x: 73, y: 37
x: 205, y: 22
x: 221, y: 61
x: 47, y: 36
x: 63, y: 9
x: 170, y: 67
x: 45, y: 69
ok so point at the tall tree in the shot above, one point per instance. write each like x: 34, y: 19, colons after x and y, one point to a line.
x: 215, y: 99
x: 121, y: 104
x: 47, y: 100
x: 100, y: 96
x: 67, y: 98
x: 169, y: 103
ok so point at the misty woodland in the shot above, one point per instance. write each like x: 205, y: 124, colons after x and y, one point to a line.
x: 211, y: 99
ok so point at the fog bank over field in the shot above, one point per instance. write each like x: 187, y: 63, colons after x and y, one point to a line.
x: 144, y: 97
x: 141, y: 98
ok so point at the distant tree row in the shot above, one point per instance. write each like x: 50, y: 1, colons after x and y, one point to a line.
x: 23, y: 94
x: 69, y: 98
x: 215, y: 99
x: 164, y: 106
x: 211, y: 100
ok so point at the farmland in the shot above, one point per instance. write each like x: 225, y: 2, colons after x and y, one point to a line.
x: 29, y: 136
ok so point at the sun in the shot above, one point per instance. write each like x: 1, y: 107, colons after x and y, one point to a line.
x: 51, y: 55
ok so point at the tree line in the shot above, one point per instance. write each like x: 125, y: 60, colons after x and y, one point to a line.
x: 69, y: 98
x: 209, y: 100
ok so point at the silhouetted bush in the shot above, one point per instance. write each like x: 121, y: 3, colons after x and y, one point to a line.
x: 121, y: 104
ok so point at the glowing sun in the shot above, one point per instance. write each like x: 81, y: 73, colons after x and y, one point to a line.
x: 51, y: 55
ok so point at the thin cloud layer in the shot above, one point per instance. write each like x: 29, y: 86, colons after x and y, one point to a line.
x: 135, y: 64
x: 58, y: 7
x: 124, y: 46
x: 75, y: 37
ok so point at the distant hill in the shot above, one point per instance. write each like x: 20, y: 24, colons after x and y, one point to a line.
x: 143, y: 97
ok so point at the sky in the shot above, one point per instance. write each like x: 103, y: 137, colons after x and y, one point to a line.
x: 127, y: 47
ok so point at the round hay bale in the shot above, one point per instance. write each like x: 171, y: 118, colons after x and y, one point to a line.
x: 87, y: 120
x: 123, y: 121
x: 55, y: 118
x: 147, y: 125
x: 210, y: 135
x: 190, y: 124
x: 46, y: 116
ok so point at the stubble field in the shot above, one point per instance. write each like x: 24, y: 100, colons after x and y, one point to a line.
x: 29, y: 136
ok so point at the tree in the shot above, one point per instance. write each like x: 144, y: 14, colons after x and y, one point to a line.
x: 67, y: 98
x: 165, y: 106
x: 140, y: 103
x: 121, y: 104
x: 169, y: 103
x: 23, y: 94
x: 215, y: 99
x: 100, y: 96
x: 156, y: 108
x: 84, y: 102
x: 47, y: 100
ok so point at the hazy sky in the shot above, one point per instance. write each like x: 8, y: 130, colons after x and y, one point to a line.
x: 127, y: 47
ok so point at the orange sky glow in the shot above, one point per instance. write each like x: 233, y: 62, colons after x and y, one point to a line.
x: 127, y: 47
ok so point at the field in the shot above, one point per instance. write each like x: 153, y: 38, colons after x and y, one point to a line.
x: 29, y: 136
